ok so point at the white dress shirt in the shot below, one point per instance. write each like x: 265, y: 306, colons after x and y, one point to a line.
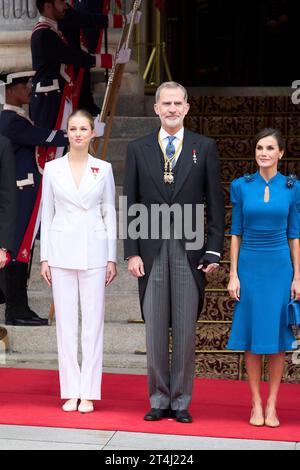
x: 163, y: 136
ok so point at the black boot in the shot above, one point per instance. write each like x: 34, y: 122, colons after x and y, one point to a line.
x: 18, y: 312
x: 2, y: 297
x: 2, y: 287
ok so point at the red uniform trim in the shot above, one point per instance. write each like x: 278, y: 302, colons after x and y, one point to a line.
x: 106, y: 61
x: 118, y: 21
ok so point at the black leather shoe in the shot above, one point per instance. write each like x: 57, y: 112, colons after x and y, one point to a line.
x: 182, y: 416
x: 39, y: 320
x: 35, y: 321
x: 156, y: 415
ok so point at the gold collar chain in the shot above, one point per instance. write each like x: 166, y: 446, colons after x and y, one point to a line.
x: 168, y: 174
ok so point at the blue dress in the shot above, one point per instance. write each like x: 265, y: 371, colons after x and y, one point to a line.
x: 265, y: 268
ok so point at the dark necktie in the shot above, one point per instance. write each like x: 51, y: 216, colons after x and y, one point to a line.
x: 170, y: 150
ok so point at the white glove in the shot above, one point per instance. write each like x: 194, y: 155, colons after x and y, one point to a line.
x: 98, y: 61
x: 99, y: 127
x: 138, y: 17
x: 123, y: 56
x: 2, y: 93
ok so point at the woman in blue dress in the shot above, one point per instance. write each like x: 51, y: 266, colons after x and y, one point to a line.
x: 265, y: 269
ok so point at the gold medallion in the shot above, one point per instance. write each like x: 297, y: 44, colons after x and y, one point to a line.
x: 169, y: 178
x: 168, y: 174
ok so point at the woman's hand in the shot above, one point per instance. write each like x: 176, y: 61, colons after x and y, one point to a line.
x: 111, y: 273
x: 46, y: 273
x: 234, y: 288
x: 295, y: 289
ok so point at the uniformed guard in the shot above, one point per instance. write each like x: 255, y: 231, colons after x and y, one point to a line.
x: 56, y: 88
x: 24, y: 136
x: 87, y: 35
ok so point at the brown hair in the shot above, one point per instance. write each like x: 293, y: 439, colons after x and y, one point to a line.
x: 270, y: 132
x: 85, y: 114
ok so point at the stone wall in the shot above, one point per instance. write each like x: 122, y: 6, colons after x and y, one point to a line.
x: 17, y: 15
x: 17, y: 18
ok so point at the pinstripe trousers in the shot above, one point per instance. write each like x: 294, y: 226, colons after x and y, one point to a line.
x: 171, y: 297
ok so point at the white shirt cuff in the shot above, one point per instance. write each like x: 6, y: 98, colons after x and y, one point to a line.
x: 213, y: 253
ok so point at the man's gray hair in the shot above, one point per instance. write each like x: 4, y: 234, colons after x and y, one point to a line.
x: 170, y: 85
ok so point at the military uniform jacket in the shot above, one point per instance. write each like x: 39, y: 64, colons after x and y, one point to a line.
x: 49, y: 53
x: 24, y: 138
x: 51, y: 59
x: 82, y: 18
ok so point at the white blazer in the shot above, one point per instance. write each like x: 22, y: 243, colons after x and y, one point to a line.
x: 79, y: 229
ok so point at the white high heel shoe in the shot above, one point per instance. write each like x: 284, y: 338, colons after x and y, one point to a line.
x: 70, y: 406
x: 86, y: 408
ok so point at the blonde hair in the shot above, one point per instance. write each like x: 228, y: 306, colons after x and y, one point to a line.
x: 82, y: 113
x: 85, y: 114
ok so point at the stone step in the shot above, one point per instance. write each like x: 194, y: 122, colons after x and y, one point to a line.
x: 133, y: 105
x: 127, y: 127
x: 128, y: 105
x: 50, y: 361
x: 119, y: 308
x: 119, y: 339
x: 117, y: 149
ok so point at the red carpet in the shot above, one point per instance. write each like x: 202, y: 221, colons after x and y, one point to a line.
x: 220, y: 408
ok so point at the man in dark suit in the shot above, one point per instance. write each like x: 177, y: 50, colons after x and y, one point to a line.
x: 177, y: 169
x: 8, y: 201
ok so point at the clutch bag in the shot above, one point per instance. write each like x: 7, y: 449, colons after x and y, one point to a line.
x: 293, y: 313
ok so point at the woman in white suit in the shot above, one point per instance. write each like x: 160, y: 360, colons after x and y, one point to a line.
x: 78, y: 255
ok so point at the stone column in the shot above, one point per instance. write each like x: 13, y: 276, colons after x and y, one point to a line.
x: 17, y: 18
x: 17, y: 15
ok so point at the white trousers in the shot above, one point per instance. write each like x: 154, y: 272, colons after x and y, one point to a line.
x: 68, y: 288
